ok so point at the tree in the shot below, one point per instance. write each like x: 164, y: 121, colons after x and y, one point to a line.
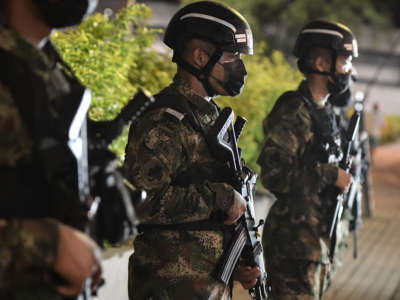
x: 278, y: 21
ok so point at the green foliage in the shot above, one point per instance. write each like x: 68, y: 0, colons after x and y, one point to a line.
x: 268, y: 78
x: 295, y: 14
x: 114, y: 57
x: 391, y: 130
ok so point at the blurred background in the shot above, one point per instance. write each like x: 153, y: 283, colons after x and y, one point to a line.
x: 119, y: 49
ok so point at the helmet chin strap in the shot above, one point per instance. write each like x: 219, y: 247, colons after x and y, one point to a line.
x: 201, y: 74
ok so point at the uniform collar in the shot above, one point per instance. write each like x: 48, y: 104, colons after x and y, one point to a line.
x: 305, y: 91
x: 206, y: 111
x: 184, y: 88
x: 14, y: 43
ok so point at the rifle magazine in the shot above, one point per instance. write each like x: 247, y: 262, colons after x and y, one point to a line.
x: 231, y: 255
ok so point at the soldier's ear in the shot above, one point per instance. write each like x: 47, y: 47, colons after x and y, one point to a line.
x: 321, y: 64
x: 200, y: 57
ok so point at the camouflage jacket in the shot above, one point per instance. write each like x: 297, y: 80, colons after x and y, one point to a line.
x: 30, y: 83
x: 33, y: 90
x: 28, y: 250
x: 161, y: 148
x: 291, y: 167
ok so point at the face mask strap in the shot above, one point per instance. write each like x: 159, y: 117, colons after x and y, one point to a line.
x: 201, y: 74
x: 225, y: 84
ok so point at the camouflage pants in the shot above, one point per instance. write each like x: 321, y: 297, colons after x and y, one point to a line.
x: 343, y: 235
x: 292, y: 279
x: 144, y: 285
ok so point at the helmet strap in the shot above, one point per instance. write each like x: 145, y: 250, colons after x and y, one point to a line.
x: 333, y: 65
x: 201, y: 74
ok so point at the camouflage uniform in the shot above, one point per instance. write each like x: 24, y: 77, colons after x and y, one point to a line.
x: 29, y: 82
x: 176, y: 264
x: 28, y: 250
x: 296, y: 233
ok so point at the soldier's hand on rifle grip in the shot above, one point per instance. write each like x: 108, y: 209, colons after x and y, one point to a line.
x: 344, y: 180
x: 236, y: 210
x: 78, y: 259
x: 247, y: 276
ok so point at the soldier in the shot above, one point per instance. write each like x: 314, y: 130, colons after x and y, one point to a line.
x: 302, y: 144
x: 41, y: 258
x: 168, y: 156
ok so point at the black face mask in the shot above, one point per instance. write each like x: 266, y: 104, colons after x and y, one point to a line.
x: 342, y: 99
x: 64, y: 13
x: 236, y: 74
x: 340, y: 84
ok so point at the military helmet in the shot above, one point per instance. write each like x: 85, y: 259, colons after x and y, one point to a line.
x: 64, y: 13
x: 324, y: 34
x: 216, y: 23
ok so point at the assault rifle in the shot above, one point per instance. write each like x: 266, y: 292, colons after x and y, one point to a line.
x: 354, y: 199
x: 245, y: 243
x: 345, y: 164
x: 109, y: 198
x: 360, y: 176
x: 115, y: 219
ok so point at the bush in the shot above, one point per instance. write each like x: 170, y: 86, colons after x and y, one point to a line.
x: 391, y: 130
x: 114, y: 58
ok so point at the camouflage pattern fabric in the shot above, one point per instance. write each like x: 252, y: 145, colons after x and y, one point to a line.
x: 297, y: 227
x: 342, y: 243
x: 27, y: 252
x: 295, y: 279
x: 28, y: 248
x: 174, y: 265
x: 35, y: 81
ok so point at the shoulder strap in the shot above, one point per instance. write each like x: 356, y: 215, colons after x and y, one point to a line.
x: 179, y: 104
